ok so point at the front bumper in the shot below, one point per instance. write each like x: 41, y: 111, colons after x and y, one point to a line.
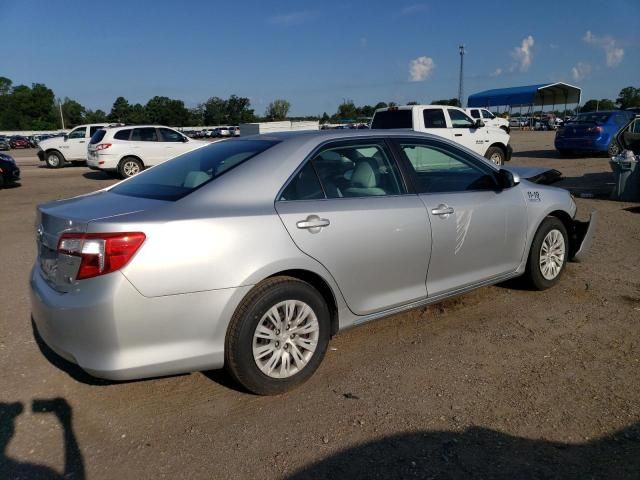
x: 41, y: 155
x: 582, y: 237
x: 112, y: 331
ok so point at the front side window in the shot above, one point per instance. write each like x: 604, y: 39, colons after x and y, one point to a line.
x: 460, y: 119
x: 146, y: 134
x: 169, y: 135
x: 488, y: 114
x: 434, y: 118
x: 177, y: 178
x: 357, y: 170
x: 78, y: 132
x: 439, y: 168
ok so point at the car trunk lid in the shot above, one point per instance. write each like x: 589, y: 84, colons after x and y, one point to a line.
x: 75, y: 215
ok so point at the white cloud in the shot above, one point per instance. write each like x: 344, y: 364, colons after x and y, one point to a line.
x: 411, y: 9
x: 289, y: 19
x: 613, y: 53
x: 580, y: 71
x: 522, y: 55
x: 496, y: 73
x: 420, y: 69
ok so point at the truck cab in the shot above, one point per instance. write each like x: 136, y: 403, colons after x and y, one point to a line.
x: 56, y: 151
x: 452, y: 123
x: 489, y: 118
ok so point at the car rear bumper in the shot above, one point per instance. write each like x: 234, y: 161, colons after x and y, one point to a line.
x: 112, y: 331
x: 582, y: 144
x: 582, y: 236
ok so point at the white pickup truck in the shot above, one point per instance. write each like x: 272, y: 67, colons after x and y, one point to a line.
x: 57, y: 151
x: 449, y: 122
x: 489, y: 118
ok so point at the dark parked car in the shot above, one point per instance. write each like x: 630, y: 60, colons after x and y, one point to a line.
x: 4, y: 143
x: 19, y: 142
x: 9, y: 171
x: 592, y: 132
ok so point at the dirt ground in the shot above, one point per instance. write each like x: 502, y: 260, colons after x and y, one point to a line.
x: 501, y: 383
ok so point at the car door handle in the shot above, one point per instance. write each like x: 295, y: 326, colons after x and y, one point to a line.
x: 81, y: 141
x: 313, y: 222
x: 457, y: 134
x: 442, y: 209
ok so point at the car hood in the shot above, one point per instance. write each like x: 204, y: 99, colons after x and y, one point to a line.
x: 541, y: 175
x: 54, y: 142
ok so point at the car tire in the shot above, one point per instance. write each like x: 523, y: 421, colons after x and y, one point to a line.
x: 495, y: 155
x: 613, y: 149
x: 54, y: 159
x: 1, y: 181
x: 129, y: 166
x: 260, y: 336
x: 548, y: 254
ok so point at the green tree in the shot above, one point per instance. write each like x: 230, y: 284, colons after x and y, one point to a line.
x: 380, y: 105
x: 595, y: 105
x: 325, y: 118
x: 627, y: 98
x: 137, y: 115
x: 413, y: 103
x: 215, y: 110
x: 73, y: 112
x: 120, y: 110
x: 366, y: 111
x: 196, y: 116
x: 347, y: 110
x: 449, y: 101
x: 97, y: 116
x: 166, y: 111
x: 238, y: 110
x: 5, y: 86
x: 277, y: 110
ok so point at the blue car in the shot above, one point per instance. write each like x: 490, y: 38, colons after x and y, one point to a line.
x: 592, y: 132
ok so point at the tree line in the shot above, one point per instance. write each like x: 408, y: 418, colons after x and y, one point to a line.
x: 36, y: 108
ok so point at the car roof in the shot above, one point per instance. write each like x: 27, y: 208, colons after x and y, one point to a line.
x: 338, y: 134
x: 138, y: 126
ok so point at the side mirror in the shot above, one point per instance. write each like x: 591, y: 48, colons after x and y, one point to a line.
x: 66, y: 137
x: 185, y: 139
x: 479, y: 124
x: 508, y: 179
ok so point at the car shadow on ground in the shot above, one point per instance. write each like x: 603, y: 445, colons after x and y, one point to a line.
x: 9, y: 186
x: 14, y: 469
x: 98, y: 175
x: 540, y: 154
x: 591, y: 185
x: 482, y: 453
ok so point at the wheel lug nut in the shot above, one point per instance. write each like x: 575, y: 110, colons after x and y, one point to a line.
x: 277, y: 332
x: 277, y: 344
x: 286, y: 346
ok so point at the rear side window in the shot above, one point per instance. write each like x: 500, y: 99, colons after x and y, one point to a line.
x: 147, y: 134
x: 94, y: 129
x: 169, y: 135
x: 388, y: 119
x: 179, y: 177
x: 434, y: 118
x: 475, y: 113
x: 97, y: 136
x: 122, y: 134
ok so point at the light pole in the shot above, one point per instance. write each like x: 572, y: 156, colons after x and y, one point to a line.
x: 61, y: 117
x: 461, y: 83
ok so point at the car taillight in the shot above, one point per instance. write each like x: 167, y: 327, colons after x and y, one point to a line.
x: 596, y: 129
x: 100, y: 253
x: 102, y: 146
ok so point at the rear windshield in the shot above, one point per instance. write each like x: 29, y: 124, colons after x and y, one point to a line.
x: 387, y: 119
x: 591, y: 117
x: 179, y: 177
x: 98, y: 136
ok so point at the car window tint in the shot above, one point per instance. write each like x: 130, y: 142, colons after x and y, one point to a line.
x: 78, y: 133
x: 98, y: 136
x: 459, y: 119
x: 303, y: 186
x: 387, y: 119
x: 357, y: 170
x: 487, y: 114
x: 169, y: 135
x: 176, y: 178
x: 475, y: 113
x: 122, y: 134
x: 147, y: 134
x: 434, y: 118
x: 439, y: 168
x: 635, y: 127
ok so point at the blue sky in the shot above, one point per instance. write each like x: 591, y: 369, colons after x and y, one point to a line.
x: 315, y: 53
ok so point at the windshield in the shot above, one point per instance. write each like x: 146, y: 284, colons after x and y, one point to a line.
x: 386, y: 119
x: 182, y: 175
x: 591, y: 117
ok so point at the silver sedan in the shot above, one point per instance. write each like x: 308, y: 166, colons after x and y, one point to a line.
x: 251, y: 253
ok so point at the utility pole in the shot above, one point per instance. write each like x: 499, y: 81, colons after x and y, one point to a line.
x: 461, y: 83
x: 61, y: 117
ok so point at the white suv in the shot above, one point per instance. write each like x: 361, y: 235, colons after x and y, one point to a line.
x: 128, y: 150
x: 54, y: 152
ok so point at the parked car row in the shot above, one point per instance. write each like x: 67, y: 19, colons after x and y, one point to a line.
x: 218, y: 132
x: 593, y: 132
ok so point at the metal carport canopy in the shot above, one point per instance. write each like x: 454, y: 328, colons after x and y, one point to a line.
x: 541, y: 94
